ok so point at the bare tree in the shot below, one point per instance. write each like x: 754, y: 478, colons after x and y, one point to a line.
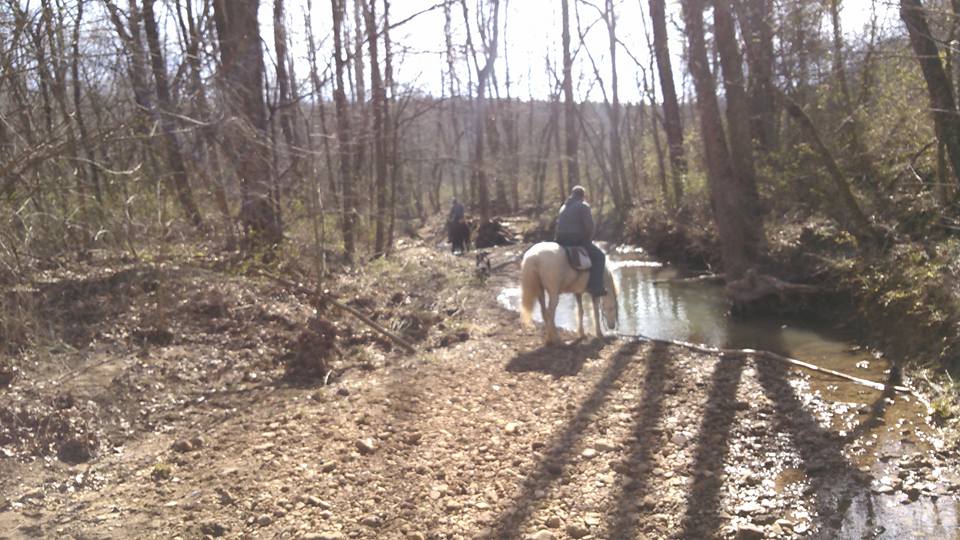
x: 572, y: 128
x: 672, y: 123
x: 480, y: 106
x: 346, y: 149
x: 380, y: 122
x: 738, y: 123
x: 942, y: 103
x: 241, y: 75
x: 756, y: 26
x: 728, y: 201
x: 175, y: 158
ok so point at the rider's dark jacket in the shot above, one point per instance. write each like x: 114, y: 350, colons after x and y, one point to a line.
x: 575, y: 222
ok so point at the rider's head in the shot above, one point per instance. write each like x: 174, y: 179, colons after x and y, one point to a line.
x: 578, y: 193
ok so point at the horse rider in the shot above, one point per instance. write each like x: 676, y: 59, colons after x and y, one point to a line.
x: 457, y: 212
x: 575, y: 228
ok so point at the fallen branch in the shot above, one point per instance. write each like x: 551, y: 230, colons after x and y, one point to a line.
x: 706, y: 278
x: 498, y: 266
x: 772, y: 356
x: 325, y: 297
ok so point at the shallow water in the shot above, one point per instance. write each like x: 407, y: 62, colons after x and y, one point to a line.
x: 697, y: 312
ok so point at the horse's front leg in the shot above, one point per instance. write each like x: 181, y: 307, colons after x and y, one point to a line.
x: 580, y: 316
x: 596, y: 315
x: 548, y: 319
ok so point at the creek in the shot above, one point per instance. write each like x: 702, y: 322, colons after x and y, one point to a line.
x: 652, y: 303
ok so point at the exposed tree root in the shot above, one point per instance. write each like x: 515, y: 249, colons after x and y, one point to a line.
x: 754, y: 286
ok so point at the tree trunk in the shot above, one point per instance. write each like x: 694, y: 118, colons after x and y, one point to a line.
x: 856, y: 221
x: 346, y: 150
x: 380, y: 122
x: 241, y: 75
x: 617, y: 167
x: 729, y: 203
x: 942, y: 104
x: 569, y: 107
x: 212, y: 171
x: 175, y: 157
x: 285, y: 85
x: 672, y: 124
x: 755, y: 23
x: 483, y: 78
x: 454, y: 99
x: 738, y: 124
x: 88, y: 150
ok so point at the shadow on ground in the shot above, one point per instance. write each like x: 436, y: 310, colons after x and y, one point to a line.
x: 558, y: 361
x: 560, y: 452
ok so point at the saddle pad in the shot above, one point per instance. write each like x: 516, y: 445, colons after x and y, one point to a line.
x: 578, y: 257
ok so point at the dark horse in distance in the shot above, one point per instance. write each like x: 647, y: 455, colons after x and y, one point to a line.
x: 458, y: 232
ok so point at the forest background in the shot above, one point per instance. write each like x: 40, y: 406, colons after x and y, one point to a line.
x: 815, y: 141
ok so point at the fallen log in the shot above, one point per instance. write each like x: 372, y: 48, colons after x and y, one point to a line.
x: 493, y: 233
x: 328, y: 298
x: 734, y: 353
x: 753, y: 286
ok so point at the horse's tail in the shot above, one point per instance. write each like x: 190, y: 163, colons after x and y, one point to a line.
x: 530, y: 290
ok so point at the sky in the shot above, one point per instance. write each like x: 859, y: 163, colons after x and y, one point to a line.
x: 532, y: 35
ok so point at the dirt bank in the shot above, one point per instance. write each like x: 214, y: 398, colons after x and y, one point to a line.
x: 482, y: 433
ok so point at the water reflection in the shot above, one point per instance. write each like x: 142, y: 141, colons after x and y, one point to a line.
x: 651, y: 305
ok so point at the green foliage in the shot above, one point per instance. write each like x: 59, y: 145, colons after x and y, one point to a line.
x: 161, y: 471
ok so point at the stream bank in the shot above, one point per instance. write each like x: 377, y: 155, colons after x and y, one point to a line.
x: 904, y: 300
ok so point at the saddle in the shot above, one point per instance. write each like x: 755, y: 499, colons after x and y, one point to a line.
x: 578, y: 257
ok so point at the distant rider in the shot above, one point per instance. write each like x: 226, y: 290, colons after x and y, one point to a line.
x: 575, y: 228
x: 457, y: 212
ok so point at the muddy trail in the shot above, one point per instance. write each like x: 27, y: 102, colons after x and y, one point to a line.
x: 160, y: 406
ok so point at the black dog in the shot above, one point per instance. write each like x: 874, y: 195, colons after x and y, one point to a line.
x: 483, y: 263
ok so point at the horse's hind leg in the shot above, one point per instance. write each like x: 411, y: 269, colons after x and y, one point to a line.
x: 580, y: 316
x: 552, y: 337
x: 596, y: 315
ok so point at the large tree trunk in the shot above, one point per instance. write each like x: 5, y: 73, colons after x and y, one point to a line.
x: 729, y: 203
x: 738, y: 124
x: 241, y: 75
x: 942, y: 103
x: 672, y: 124
x: 569, y: 107
x: 175, y: 157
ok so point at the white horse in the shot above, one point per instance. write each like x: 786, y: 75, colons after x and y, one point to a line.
x: 545, y: 269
